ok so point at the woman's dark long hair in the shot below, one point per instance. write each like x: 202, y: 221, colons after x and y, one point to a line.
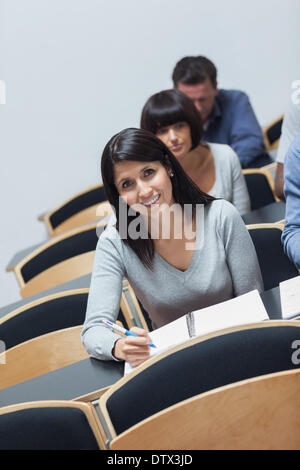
x: 168, y: 107
x: 143, y: 146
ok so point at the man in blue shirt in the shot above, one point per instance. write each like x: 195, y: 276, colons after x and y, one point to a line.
x: 227, y: 115
x: 291, y: 232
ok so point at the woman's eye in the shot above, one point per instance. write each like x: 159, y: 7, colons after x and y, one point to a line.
x: 148, y: 172
x: 126, y: 184
x: 161, y: 131
x: 180, y: 125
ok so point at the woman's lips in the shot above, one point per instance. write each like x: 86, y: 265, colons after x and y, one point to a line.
x: 176, y: 148
x: 151, y: 201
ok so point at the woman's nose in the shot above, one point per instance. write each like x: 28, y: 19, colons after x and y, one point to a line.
x: 172, y: 135
x: 144, y: 189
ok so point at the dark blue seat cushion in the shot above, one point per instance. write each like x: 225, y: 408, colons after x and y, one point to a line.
x: 75, y: 245
x: 88, y: 199
x: 204, y: 366
x: 275, y: 266
x: 46, y: 429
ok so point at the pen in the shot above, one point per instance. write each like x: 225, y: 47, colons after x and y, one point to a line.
x: 119, y: 329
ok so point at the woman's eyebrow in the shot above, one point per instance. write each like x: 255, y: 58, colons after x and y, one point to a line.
x: 121, y: 180
x: 145, y: 168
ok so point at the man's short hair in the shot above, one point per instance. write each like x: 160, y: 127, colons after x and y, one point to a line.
x: 193, y: 70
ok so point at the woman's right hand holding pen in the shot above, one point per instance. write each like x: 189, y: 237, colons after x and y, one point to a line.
x: 133, y: 349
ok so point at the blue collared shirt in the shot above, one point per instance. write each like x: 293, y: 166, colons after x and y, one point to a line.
x: 234, y: 123
x: 291, y: 232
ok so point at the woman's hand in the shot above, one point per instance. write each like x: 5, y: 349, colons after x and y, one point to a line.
x: 133, y: 349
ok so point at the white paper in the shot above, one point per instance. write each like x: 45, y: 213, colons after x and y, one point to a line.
x: 170, y: 334
x: 247, y: 308
x: 290, y: 297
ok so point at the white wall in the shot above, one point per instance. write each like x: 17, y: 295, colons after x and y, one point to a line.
x: 78, y: 71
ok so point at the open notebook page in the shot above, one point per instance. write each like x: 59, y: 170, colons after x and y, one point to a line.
x: 290, y: 297
x: 165, y: 337
x: 247, y: 308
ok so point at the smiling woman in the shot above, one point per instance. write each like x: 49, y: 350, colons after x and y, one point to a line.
x: 145, y: 182
x: 139, y: 184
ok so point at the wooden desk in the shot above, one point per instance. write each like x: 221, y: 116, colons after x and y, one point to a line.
x: 89, y: 376
x: 270, y: 213
x: 68, y: 383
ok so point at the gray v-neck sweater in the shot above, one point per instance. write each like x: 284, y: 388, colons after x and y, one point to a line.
x: 224, y: 266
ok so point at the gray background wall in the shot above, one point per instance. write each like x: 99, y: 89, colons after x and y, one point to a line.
x: 78, y: 71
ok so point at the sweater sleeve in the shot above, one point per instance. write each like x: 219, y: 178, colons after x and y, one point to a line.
x: 104, y: 299
x: 241, y: 256
x: 291, y: 232
x: 240, y: 195
x: 289, y: 131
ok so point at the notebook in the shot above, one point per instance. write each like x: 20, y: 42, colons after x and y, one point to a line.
x: 245, y: 309
x: 290, y: 297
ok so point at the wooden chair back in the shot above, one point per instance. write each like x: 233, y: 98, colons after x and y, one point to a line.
x: 272, y: 133
x: 41, y: 316
x: 261, y: 413
x: 61, y: 259
x: 260, y: 185
x: 65, y: 271
x: 89, y: 215
x: 84, y: 207
x: 41, y: 355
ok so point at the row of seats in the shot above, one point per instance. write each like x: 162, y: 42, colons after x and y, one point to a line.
x: 240, y: 391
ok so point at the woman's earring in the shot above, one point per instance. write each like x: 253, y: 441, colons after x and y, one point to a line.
x: 171, y: 174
